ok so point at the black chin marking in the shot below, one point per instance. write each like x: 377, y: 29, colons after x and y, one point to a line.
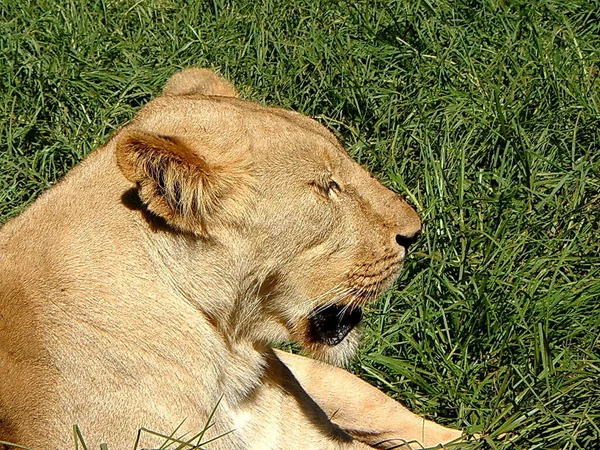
x: 332, y: 324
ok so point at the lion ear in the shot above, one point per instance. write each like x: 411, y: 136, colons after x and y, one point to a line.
x: 173, y: 181
x: 198, y: 81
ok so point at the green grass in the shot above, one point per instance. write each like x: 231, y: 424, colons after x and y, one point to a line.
x: 485, y: 114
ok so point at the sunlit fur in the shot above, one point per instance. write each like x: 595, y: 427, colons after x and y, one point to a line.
x: 146, y: 287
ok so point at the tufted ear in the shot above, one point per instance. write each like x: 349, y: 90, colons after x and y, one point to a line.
x: 198, y: 81
x: 176, y: 183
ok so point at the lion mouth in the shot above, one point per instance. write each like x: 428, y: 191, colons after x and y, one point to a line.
x: 332, y: 324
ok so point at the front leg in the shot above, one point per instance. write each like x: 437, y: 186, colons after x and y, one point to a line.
x: 362, y: 410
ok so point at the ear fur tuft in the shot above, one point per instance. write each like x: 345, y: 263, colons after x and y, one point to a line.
x: 173, y: 181
x: 198, y: 81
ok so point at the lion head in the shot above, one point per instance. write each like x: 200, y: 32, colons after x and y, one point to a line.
x: 302, y: 234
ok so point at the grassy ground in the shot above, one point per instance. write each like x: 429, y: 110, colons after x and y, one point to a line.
x: 486, y: 114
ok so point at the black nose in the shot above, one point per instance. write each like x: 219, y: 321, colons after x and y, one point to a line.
x: 407, y: 240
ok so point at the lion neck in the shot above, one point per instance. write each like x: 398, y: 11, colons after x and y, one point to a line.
x: 219, y: 292
x: 219, y: 287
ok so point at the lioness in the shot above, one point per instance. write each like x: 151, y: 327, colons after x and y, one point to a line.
x: 145, y: 288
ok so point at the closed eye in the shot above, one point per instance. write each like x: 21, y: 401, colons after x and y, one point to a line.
x: 327, y: 186
x: 333, y: 188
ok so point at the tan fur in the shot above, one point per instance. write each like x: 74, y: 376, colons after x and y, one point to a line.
x: 147, y: 286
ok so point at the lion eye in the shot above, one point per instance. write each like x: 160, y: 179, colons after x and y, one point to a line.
x: 327, y: 187
x: 333, y: 188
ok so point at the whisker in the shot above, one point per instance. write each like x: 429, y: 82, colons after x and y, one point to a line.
x: 334, y: 300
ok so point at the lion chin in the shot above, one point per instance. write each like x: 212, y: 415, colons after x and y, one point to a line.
x: 339, y: 354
